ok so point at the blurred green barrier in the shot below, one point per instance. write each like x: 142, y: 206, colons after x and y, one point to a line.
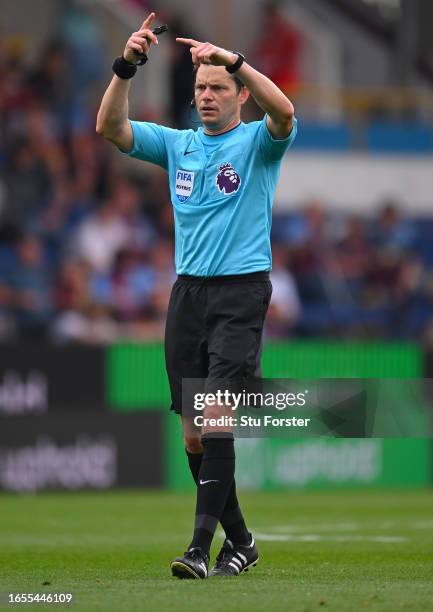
x: 338, y: 463
x: 136, y: 378
x: 272, y: 463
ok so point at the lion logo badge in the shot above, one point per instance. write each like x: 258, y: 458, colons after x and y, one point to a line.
x: 228, y: 180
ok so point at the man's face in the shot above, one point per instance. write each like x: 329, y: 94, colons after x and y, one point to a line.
x: 217, y: 100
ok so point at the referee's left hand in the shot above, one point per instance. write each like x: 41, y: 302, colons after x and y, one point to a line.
x: 206, y: 53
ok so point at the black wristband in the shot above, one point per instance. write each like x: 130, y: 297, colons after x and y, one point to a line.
x: 238, y: 63
x: 124, y: 69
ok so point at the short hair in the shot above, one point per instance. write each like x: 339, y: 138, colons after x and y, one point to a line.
x: 237, y: 81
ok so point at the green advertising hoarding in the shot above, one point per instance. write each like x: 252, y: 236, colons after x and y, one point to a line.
x: 137, y: 381
x: 136, y: 378
x: 330, y: 462
x: 272, y: 463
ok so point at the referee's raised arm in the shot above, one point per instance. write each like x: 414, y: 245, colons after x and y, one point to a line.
x: 112, y: 120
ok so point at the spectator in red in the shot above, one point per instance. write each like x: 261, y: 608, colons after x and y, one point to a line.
x: 278, y: 49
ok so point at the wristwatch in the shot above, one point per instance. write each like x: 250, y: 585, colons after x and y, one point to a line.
x: 238, y: 63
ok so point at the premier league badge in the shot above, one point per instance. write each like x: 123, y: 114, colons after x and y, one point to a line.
x: 228, y: 180
x: 184, y: 184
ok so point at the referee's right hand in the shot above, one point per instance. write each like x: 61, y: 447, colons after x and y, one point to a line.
x: 140, y: 41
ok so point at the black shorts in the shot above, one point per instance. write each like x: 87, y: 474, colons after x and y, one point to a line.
x: 214, y: 329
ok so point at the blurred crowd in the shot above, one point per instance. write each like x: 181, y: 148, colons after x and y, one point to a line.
x: 343, y: 275
x: 86, y: 247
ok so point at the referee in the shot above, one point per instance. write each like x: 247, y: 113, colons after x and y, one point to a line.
x: 222, y: 183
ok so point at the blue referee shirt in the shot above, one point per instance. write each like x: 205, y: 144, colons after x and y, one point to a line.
x: 222, y: 190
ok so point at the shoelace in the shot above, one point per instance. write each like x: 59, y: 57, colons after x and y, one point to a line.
x: 194, y: 555
x: 224, y: 553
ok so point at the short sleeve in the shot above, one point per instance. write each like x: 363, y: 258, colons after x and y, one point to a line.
x: 271, y: 148
x: 149, y: 143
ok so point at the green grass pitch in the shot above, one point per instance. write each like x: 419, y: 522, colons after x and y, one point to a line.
x: 318, y: 551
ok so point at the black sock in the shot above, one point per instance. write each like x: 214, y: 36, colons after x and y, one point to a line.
x: 231, y: 519
x: 194, y: 462
x: 215, y: 479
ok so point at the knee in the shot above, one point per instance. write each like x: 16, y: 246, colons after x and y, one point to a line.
x: 193, y: 444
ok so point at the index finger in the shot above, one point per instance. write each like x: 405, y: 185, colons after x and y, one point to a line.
x: 148, y: 21
x: 188, y: 41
